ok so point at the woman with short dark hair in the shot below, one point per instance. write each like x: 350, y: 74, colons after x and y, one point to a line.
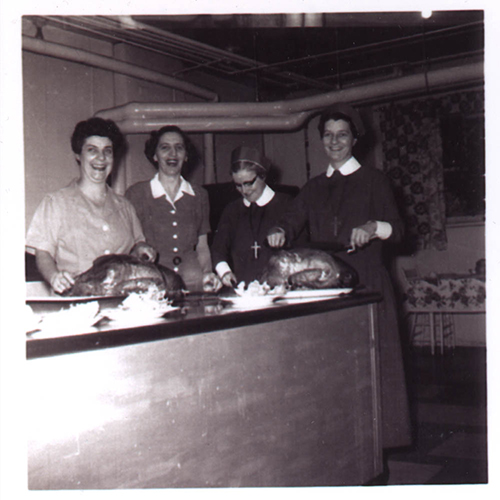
x: 352, y: 206
x: 101, y: 128
x: 175, y: 213
x: 86, y: 219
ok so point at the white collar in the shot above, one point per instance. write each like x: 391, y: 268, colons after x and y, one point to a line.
x: 348, y: 168
x: 266, y: 196
x: 158, y: 190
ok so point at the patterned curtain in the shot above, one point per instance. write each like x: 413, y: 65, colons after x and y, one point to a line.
x: 413, y: 158
x: 413, y: 155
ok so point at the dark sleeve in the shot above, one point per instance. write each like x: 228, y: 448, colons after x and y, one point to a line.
x: 295, y: 217
x: 385, y: 207
x: 221, y: 245
x: 204, y: 224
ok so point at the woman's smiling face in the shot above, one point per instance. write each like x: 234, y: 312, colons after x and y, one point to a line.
x: 170, y: 153
x: 338, y: 141
x: 96, y: 158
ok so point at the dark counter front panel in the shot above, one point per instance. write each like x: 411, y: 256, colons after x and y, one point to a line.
x: 292, y: 401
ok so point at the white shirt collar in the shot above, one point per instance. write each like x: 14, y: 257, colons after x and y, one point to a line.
x: 348, y: 168
x: 266, y: 196
x: 158, y: 190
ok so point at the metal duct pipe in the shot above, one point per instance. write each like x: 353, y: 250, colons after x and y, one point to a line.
x: 294, y: 20
x: 312, y: 20
x: 212, y: 111
x: 90, y: 59
x: 216, y: 124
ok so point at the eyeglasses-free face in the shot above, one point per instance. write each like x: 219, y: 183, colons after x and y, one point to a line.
x: 96, y: 159
x: 249, y: 184
x: 170, y: 153
x: 338, y: 141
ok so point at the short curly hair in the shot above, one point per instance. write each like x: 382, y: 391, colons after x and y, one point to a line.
x: 154, y: 138
x: 342, y: 111
x: 336, y: 116
x: 98, y: 127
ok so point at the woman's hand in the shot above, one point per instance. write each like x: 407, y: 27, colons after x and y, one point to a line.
x: 229, y: 279
x: 276, y: 237
x: 143, y: 251
x: 362, y: 235
x: 211, y: 282
x: 61, y: 281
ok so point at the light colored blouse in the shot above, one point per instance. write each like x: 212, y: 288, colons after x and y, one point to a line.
x: 75, y: 232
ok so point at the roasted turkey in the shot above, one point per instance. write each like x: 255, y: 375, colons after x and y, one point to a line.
x: 119, y: 274
x: 308, y: 268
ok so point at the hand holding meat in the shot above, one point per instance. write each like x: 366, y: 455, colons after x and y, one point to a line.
x: 61, y: 281
x: 211, y: 282
x: 229, y: 280
x: 362, y: 235
x: 144, y: 252
x: 276, y: 237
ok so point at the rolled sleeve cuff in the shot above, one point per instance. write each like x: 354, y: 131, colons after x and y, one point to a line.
x: 222, y: 268
x: 384, y: 230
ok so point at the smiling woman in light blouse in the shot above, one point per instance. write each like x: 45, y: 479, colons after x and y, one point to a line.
x: 86, y: 219
x: 175, y: 213
x: 239, y: 249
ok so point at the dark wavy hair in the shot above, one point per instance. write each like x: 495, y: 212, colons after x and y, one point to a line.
x: 99, y: 127
x: 336, y: 115
x: 154, y: 138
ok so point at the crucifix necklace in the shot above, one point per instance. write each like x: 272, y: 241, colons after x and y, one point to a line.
x: 255, y: 247
x: 255, y: 214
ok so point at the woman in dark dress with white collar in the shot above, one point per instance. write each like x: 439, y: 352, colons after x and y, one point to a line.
x: 352, y: 205
x: 173, y: 212
x: 239, y: 250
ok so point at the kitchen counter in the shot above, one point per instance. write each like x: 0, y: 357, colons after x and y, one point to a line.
x: 197, y: 313
x: 210, y: 396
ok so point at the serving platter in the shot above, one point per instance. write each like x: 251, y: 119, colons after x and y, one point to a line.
x: 130, y: 317
x: 251, y: 301
x: 59, y: 299
x: 39, y: 291
x: 326, y: 293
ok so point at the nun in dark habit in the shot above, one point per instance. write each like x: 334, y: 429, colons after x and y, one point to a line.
x: 239, y: 250
x: 353, y: 206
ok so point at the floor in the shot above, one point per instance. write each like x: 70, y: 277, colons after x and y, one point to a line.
x: 448, y: 401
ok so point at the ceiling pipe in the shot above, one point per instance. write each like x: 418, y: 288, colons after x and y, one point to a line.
x: 313, y: 20
x: 215, y: 124
x: 216, y: 116
x: 294, y: 20
x: 95, y: 60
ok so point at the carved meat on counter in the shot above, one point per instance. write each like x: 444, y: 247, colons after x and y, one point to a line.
x: 117, y: 274
x: 308, y: 268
